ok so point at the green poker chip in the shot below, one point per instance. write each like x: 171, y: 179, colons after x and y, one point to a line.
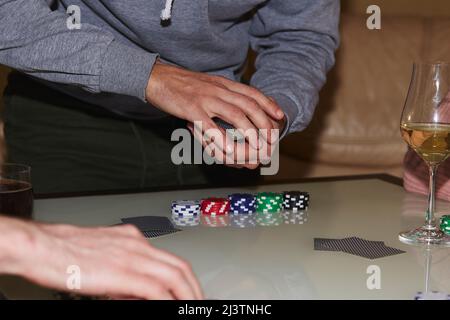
x: 269, y: 202
x: 445, y: 224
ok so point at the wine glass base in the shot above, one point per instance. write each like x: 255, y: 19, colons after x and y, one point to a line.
x: 425, y: 235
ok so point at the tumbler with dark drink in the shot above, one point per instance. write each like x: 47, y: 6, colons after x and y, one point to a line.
x: 16, y: 193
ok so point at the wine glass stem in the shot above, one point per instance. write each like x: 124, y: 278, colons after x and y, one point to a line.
x: 431, y: 197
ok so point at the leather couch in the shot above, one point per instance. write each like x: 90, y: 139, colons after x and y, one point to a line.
x: 356, y: 127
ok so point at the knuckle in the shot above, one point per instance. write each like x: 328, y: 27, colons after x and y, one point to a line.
x: 159, y: 289
x: 185, y: 265
x: 176, y: 274
x: 252, y: 105
x: 219, y: 78
x: 198, y: 101
x: 236, y: 112
x: 267, y: 123
x: 255, y: 91
x: 179, y: 276
x: 206, y: 103
x: 132, y: 230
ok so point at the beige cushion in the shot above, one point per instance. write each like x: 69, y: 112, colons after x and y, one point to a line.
x: 357, y: 120
x: 292, y: 168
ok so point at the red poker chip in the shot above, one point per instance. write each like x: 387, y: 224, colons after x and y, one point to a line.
x: 215, y: 206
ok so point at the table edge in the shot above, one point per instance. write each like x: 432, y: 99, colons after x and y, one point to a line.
x: 381, y: 176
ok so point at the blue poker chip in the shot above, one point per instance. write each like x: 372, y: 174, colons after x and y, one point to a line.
x: 242, y: 203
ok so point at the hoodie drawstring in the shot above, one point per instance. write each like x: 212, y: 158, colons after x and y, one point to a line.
x: 166, y: 13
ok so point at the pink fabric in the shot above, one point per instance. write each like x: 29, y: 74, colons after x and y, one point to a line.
x: 416, y: 176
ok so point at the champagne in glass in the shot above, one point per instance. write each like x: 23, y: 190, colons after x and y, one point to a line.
x: 430, y: 141
x: 425, y: 127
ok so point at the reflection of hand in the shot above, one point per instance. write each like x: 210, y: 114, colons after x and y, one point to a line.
x: 416, y: 176
x: 443, y: 111
x: 117, y: 262
x: 195, y: 96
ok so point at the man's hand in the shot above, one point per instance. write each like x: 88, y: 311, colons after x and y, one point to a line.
x: 117, y: 262
x: 242, y: 155
x: 195, y: 96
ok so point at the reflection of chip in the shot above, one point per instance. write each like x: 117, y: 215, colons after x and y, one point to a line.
x: 434, y: 295
x: 232, y: 132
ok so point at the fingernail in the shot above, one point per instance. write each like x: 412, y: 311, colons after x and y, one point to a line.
x: 280, y: 114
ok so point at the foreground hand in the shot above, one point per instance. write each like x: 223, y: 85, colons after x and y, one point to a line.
x: 117, y: 262
x: 195, y: 96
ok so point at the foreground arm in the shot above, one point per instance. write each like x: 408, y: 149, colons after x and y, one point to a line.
x: 117, y: 262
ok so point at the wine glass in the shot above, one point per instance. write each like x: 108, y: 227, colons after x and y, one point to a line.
x: 425, y: 126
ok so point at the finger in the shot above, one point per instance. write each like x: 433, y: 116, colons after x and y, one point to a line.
x: 116, y: 281
x: 141, y: 247
x: 232, y: 114
x: 211, y: 133
x: 176, y: 262
x: 204, y: 126
x: 219, y: 154
x: 127, y: 230
x: 269, y: 105
x: 138, y: 286
x: 217, y: 138
x: 186, y: 269
x: 243, y: 155
x: 169, y: 276
x: 250, y: 158
x: 252, y: 110
x: 246, y: 156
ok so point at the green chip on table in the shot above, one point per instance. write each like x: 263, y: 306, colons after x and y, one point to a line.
x: 445, y: 224
x: 269, y: 202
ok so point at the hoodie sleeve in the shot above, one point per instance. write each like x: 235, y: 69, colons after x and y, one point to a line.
x: 295, y: 42
x: 36, y: 40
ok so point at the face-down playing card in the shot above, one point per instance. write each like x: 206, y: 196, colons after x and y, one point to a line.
x: 356, y: 246
x: 152, y: 226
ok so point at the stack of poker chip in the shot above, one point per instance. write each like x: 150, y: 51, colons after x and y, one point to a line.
x: 185, y: 208
x: 215, y: 221
x: 186, y: 221
x: 243, y: 221
x: 445, y: 224
x: 242, y: 203
x: 291, y: 217
x: 215, y: 206
x: 295, y: 201
x: 269, y: 202
x: 269, y: 219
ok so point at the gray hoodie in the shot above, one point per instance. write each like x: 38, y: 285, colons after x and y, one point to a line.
x: 107, y: 62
